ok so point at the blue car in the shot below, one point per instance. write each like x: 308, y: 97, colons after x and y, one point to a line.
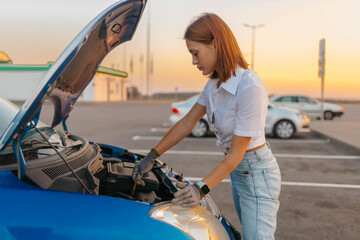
x: 56, y: 185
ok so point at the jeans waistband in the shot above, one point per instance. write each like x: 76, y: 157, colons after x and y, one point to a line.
x: 264, y: 146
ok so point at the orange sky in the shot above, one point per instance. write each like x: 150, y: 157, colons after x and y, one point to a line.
x: 286, y: 53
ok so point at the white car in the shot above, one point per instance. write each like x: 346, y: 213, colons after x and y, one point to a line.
x: 310, y: 105
x: 281, y: 122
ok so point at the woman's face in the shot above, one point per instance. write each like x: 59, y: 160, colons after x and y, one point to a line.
x: 203, y: 56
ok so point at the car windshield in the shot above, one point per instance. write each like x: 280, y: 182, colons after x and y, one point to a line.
x: 8, y: 111
x: 285, y: 99
x: 271, y: 105
x: 314, y: 100
x: 193, y: 99
x: 306, y: 100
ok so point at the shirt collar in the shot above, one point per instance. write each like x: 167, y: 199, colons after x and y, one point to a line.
x: 233, y: 82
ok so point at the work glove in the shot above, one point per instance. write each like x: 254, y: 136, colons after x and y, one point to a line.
x: 189, y: 196
x: 144, y: 166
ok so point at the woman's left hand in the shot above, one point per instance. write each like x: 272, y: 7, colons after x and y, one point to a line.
x: 189, y: 196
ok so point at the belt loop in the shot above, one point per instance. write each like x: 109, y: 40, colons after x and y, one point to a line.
x: 256, y: 155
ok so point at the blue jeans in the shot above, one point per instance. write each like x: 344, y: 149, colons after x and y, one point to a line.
x: 255, y: 185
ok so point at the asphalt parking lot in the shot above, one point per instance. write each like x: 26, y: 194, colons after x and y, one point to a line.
x: 320, y: 180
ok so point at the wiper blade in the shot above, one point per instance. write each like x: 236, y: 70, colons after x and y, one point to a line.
x: 34, y: 145
x: 25, y: 147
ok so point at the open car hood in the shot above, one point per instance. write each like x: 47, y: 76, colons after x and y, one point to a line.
x: 77, y: 65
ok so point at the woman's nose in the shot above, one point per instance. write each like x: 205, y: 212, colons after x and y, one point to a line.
x: 194, y: 62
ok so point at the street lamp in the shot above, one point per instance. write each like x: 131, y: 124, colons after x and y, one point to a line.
x: 148, y: 52
x: 253, y: 27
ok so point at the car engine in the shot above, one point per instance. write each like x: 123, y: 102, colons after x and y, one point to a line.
x: 102, y: 169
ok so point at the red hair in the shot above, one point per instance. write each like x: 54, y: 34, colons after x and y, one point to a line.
x: 209, y: 27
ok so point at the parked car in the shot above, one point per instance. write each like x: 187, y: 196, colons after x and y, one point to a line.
x: 310, y: 105
x: 281, y: 122
x: 57, y: 185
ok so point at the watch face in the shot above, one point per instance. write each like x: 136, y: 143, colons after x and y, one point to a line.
x: 205, y: 189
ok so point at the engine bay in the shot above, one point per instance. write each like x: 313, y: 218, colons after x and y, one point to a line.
x: 116, y: 180
x: 101, y: 170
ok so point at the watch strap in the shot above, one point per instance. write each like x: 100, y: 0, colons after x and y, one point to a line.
x: 203, y: 188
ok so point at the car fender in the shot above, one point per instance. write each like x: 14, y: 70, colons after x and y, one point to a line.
x: 46, y: 214
x: 332, y: 107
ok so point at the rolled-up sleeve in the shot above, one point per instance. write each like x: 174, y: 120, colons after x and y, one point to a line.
x: 251, y: 110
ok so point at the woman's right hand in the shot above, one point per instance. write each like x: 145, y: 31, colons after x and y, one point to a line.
x: 144, y: 166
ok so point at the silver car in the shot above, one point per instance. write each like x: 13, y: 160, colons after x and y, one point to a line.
x: 281, y: 122
x: 310, y: 105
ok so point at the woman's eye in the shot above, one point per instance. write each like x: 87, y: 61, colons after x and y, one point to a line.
x: 195, y: 54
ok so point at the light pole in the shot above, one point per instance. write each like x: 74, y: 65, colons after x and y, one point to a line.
x: 148, y: 53
x: 253, y: 27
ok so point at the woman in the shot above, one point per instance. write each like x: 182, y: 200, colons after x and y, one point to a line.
x: 235, y: 101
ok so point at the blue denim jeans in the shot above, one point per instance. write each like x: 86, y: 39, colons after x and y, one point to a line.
x: 255, y: 185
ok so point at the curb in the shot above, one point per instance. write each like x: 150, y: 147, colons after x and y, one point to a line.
x: 339, y: 143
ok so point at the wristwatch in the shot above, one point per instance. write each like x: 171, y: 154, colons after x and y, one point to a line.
x: 204, y: 189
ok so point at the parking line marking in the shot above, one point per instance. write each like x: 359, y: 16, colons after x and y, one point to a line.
x: 183, y: 152
x: 159, y: 129
x: 347, y: 157
x: 278, y: 155
x: 300, y: 184
x: 305, y: 184
x: 301, y: 141
x: 213, y: 139
x: 156, y: 138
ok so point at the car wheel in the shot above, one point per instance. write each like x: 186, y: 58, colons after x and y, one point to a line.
x: 328, y: 115
x: 200, y: 129
x: 284, y: 129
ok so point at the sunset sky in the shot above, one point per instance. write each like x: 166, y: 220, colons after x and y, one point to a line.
x: 286, y: 51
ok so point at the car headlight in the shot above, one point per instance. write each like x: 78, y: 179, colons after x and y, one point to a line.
x: 207, y: 203
x: 197, y: 222
x: 304, y: 115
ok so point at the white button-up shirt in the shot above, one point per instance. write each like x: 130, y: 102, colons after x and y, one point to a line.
x: 238, y: 106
